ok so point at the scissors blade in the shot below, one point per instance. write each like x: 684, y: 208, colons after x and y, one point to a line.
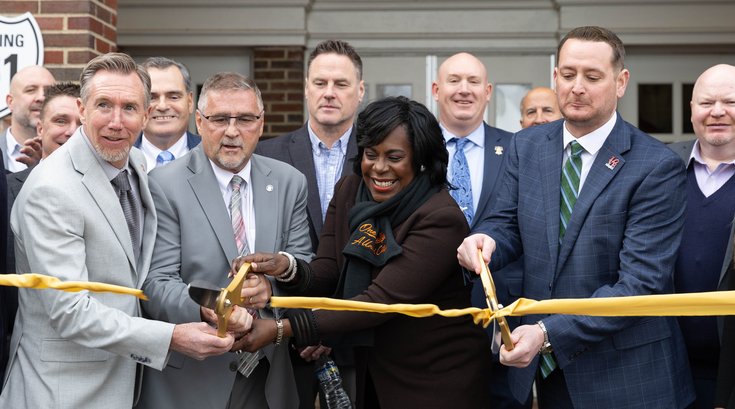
x: 204, y: 293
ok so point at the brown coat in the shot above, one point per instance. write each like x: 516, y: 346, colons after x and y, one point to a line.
x: 431, y: 362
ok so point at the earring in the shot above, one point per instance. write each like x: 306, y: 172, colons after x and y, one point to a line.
x: 422, y: 168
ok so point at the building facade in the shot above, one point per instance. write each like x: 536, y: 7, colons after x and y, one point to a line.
x: 669, y: 43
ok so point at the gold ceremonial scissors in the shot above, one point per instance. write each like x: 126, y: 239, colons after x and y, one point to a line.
x: 221, y: 300
x: 492, y: 303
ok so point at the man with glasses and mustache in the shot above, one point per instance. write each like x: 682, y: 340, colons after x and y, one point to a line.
x: 219, y: 202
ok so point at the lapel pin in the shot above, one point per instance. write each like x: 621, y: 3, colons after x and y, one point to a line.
x: 612, y: 162
x: 269, y: 188
x: 498, y: 150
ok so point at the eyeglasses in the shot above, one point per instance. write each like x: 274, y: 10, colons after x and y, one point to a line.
x: 241, y: 121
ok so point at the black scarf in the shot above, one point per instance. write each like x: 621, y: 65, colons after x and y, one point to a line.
x: 372, y: 243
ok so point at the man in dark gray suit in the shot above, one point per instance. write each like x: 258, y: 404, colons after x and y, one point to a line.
x: 322, y: 150
x: 166, y: 136
x: 218, y: 202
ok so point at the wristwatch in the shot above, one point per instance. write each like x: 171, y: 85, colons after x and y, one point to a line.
x: 546, y: 346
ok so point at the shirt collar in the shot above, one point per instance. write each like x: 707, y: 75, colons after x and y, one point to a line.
x: 477, y: 136
x: 593, y: 141
x: 225, y: 176
x: 696, y: 156
x: 146, y: 145
x: 318, y: 146
x: 11, y: 144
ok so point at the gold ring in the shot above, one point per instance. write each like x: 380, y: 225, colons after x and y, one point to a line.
x: 250, y: 300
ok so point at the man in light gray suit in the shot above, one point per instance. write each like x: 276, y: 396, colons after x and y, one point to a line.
x: 197, y: 240
x: 81, y: 349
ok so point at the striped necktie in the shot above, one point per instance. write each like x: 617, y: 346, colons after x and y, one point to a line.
x: 129, y: 205
x: 247, y: 361
x: 570, y: 175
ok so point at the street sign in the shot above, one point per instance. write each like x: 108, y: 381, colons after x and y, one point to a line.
x: 21, y: 45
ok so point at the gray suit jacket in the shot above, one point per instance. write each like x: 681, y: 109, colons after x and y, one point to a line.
x: 195, y: 241
x: 80, y: 349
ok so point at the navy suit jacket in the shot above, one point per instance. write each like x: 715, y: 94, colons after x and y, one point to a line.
x: 192, y: 140
x: 508, y: 282
x: 622, y: 240
x: 295, y: 149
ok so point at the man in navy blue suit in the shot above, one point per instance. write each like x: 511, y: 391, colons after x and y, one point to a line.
x: 609, y: 225
x: 166, y: 136
x: 462, y: 92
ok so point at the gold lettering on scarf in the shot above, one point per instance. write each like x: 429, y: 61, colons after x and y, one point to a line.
x: 371, y: 239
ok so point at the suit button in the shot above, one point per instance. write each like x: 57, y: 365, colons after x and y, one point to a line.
x: 551, y: 285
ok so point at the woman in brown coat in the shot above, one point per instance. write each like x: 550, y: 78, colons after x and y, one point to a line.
x: 390, y: 236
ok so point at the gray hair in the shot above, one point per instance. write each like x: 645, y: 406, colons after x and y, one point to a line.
x: 162, y: 63
x: 228, y: 81
x: 118, y: 63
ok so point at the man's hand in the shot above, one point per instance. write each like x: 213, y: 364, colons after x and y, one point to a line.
x: 198, y: 340
x: 31, y: 151
x: 527, y: 340
x: 256, y: 291
x: 467, y: 251
x: 312, y: 353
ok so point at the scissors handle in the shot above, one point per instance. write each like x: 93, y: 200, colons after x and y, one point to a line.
x: 492, y: 301
x: 228, y: 298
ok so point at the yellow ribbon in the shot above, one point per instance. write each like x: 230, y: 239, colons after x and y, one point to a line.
x: 690, y: 304
x: 40, y: 281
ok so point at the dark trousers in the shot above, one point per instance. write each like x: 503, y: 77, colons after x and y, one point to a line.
x: 553, y: 392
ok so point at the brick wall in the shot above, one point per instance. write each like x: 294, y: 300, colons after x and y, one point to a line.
x: 74, y: 31
x: 279, y: 73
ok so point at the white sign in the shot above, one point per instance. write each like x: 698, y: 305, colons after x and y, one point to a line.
x: 21, y: 45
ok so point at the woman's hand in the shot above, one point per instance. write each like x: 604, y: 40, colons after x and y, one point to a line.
x: 312, y: 353
x: 262, y: 332
x: 272, y: 264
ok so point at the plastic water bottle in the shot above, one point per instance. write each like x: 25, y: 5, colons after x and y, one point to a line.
x: 330, y: 382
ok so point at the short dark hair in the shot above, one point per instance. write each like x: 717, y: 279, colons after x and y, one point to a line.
x: 59, y: 89
x: 338, y: 47
x: 162, y: 63
x: 381, y: 117
x: 228, y: 81
x: 118, y: 63
x: 598, y: 35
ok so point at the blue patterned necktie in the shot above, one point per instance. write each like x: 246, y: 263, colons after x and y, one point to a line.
x: 461, y: 180
x: 570, y: 175
x: 164, y: 157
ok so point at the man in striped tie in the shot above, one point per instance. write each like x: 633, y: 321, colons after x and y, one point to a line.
x: 219, y: 202
x: 166, y: 136
x: 596, y: 208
